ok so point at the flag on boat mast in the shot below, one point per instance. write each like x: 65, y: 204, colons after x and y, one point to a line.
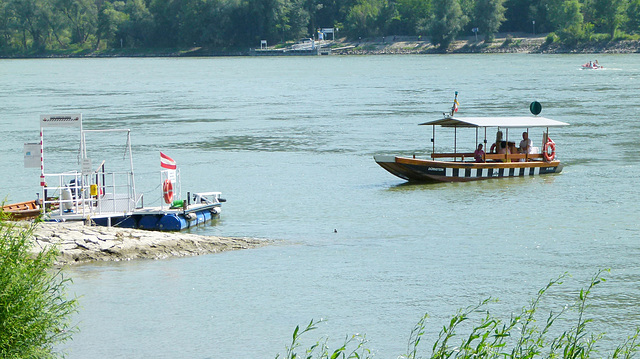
x: 167, y: 162
x: 456, y: 104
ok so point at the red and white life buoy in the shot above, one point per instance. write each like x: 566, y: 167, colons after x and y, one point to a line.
x: 549, y: 151
x: 167, y: 191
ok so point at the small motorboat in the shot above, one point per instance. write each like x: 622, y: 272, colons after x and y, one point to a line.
x: 592, y: 65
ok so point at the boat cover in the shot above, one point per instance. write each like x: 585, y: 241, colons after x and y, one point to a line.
x: 505, y: 122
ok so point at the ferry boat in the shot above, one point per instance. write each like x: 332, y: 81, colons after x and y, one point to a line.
x: 503, y: 162
x: 110, y: 198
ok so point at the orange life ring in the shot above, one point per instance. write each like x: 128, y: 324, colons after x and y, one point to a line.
x: 493, y: 148
x: 549, y: 151
x: 167, y: 191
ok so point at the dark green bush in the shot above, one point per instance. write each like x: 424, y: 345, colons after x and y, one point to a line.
x: 551, y: 38
x: 621, y: 36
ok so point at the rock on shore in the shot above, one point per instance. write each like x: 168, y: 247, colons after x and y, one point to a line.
x: 78, y: 243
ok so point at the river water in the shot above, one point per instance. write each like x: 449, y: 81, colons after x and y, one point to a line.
x: 290, y: 143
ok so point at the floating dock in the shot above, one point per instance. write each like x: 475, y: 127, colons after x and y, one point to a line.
x: 109, y: 198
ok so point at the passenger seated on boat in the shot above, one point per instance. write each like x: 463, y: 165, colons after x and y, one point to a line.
x: 513, y: 150
x: 479, y: 154
x: 525, y: 144
x: 501, y: 150
x: 495, y: 148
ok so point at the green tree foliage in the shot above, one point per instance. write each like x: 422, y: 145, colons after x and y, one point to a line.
x: 110, y: 18
x: 81, y: 17
x: 32, y: 19
x: 362, y: 20
x: 488, y: 16
x: 410, y: 13
x: 574, y: 29
x: 633, y: 16
x: 137, y: 29
x: 38, y: 26
x: 34, y: 311
x: 292, y: 20
x: 610, y: 15
x: 519, y: 14
x: 446, y: 21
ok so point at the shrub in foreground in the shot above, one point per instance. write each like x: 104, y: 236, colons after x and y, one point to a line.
x: 492, y: 337
x: 34, y: 312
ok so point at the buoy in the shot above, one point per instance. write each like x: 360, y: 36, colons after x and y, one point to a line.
x: 167, y: 191
x: 549, y: 151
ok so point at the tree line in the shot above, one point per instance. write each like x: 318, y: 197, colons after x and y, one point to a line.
x: 46, y: 26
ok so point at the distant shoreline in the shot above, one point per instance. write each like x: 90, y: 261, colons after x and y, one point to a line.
x: 385, y: 45
x: 503, y: 43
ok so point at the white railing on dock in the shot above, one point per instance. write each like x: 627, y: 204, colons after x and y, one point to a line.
x: 73, y: 194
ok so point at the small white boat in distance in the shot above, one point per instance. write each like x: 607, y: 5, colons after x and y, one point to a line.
x: 592, y: 65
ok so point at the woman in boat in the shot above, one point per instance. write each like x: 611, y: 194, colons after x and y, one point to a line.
x: 479, y: 154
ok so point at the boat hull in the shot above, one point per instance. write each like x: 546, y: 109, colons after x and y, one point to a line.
x: 419, y: 170
x: 161, y: 220
x: 22, y: 210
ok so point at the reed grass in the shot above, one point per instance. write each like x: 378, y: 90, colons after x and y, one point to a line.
x: 34, y: 309
x: 518, y: 337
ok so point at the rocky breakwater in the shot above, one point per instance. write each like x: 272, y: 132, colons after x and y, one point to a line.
x: 78, y: 243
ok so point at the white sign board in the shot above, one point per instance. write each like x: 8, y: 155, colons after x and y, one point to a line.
x: 69, y: 120
x: 171, y: 175
x: 31, y: 155
x: 86, y: 166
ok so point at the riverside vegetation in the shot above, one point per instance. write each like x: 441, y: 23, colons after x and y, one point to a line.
x: 34, y: 308
x: 492, y: 337
x: 224, y: 27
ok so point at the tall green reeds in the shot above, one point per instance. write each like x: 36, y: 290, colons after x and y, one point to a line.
x: 518, y: 337
x: 34, y: 311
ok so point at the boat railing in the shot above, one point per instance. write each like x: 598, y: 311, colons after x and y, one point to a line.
x: 77, y: 194
x: 515, y: 157
x: 455, y: 156
x: 505, y: 157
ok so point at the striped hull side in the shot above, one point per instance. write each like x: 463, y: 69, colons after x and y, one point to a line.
x: 438, y: 171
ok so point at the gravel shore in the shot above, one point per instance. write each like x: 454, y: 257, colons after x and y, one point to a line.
x: 78, y: 243
x: 503, y: 43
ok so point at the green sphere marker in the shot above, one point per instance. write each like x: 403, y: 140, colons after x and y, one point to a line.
x: 535, y: 108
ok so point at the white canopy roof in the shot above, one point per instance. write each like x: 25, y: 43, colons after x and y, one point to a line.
x: 505, y: 122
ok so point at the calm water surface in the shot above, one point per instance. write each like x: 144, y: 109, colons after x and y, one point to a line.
x: 289, y: 142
